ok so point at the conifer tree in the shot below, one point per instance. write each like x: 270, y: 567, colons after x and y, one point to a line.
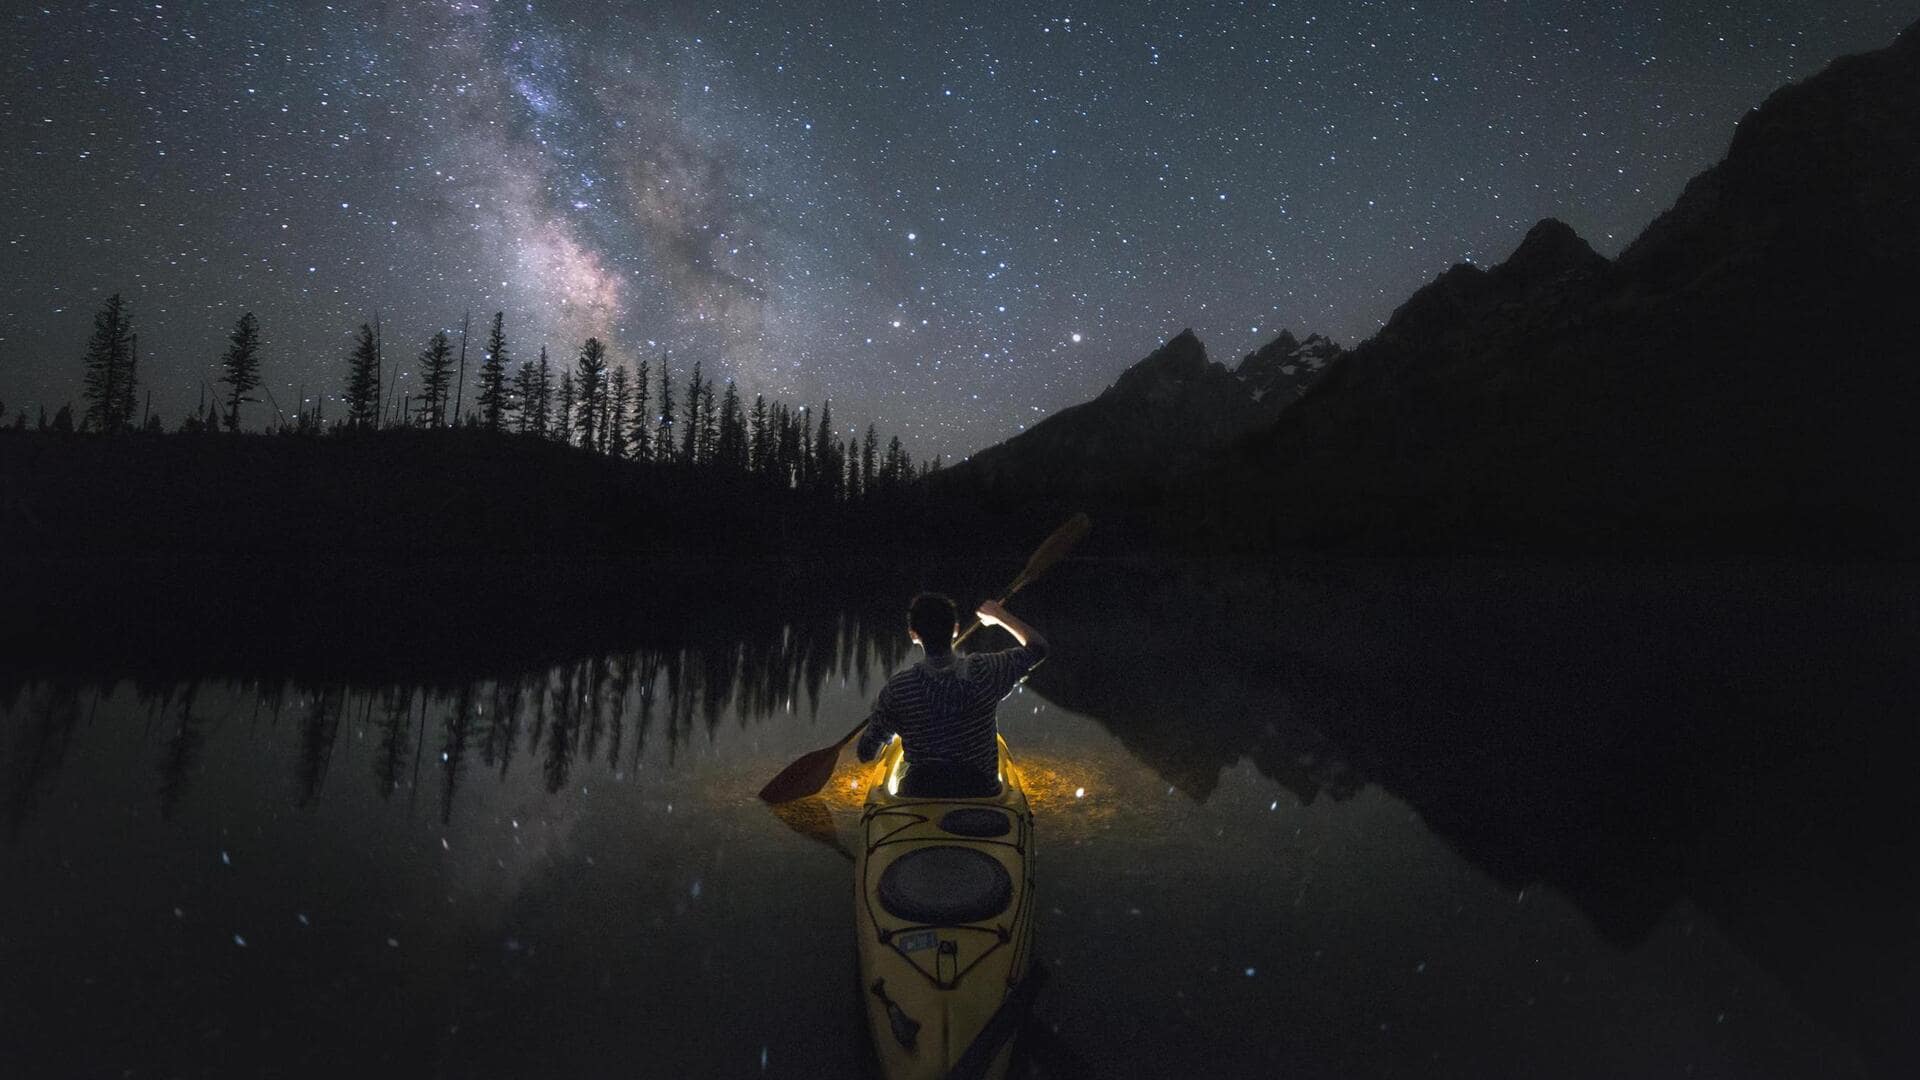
x: 616, y: 425
x: 757, y: 455
x: 663, y: 442
x: 363, y: 379
x: 642, y: 418
x: 869, y: 449
x: 240, y: 368
x: 589, y: 385
x: 524, y: 377
x: 436, y: 373
x: 803, y: 449
x: 891, y: 468
x: 733, y: 431
x: 793, y: 448
x: 827, y: 470
x: 563, y: 413
x: 853, y: 471
x: 709, y: 424
x: 460, y: 376
x: 108, y: 386
x: 63, y: 420
x: 540, y: 405
x: 690, y: 438
x: 494, y: 400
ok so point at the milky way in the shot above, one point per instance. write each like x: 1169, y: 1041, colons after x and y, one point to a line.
x: 953, y: 219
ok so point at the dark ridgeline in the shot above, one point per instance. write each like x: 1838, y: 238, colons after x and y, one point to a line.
x: 1741, y: 378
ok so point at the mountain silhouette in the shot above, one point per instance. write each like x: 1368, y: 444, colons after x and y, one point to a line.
x: 1164, y: 416
x: 1743, y: 377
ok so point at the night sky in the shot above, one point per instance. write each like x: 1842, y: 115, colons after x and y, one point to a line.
x: 953, y: 218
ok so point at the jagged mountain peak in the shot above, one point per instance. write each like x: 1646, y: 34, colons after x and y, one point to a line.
x: 1286, y: 366
x: 1182, y: 359
x: 1550, y: 249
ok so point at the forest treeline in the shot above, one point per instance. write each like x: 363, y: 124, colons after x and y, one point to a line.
x: 596, y: 403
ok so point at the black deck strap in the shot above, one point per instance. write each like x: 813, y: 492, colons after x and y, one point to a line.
x: 906, y: 1030
x: 1005, y: 1021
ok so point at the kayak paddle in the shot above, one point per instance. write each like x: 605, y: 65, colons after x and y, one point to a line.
x: 811, y: 771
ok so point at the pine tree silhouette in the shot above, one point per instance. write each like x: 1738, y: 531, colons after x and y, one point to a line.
x: 436, y: 372
x: 241, y: 367
x: 563, y: 413
x: 663, y: 443
x: 709, y: 424
x: 460, y: 376
x: 589, y: 384
x: 690, y: 438
x: 733, y: 431
x: 363, y: 380
x: 523, y: 391
x: 494, y: 400
x: 642, y: 419
x: 540, y: 404
x: 108, y: 386
x: 827, y: 471
x: 757, y: 455
x: 616, y: 425
x: 869, y: 449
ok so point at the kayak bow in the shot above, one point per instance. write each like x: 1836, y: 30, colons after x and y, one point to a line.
x: 944, y: 911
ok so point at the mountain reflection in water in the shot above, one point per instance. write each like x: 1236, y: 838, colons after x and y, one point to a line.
x: 1350, y: 818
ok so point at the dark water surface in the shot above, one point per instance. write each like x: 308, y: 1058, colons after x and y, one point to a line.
x: 1353, y: 819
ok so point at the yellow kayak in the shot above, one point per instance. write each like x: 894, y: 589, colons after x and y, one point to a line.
x: 944, y: 900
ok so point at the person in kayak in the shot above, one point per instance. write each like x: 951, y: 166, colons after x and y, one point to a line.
x: 943, y: 707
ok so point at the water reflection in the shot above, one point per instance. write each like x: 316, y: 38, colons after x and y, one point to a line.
x: 1335, y: 820
x: 593, y: 712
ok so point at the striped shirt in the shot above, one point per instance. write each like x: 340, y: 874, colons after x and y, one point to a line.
x: 942, y: 707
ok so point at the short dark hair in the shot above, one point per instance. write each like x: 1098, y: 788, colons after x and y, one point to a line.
x: 931, y: 616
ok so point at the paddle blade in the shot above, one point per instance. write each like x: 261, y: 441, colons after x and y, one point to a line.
x: 1056, y: 547
x: 808, y: 774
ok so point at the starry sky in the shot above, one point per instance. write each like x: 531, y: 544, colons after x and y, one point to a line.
x: 951, y: 218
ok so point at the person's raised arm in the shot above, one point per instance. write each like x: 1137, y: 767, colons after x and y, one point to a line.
x: 992, y: 613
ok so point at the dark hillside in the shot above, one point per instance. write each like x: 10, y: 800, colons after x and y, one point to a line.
x: 403, y: 545
x: 1743, y: 378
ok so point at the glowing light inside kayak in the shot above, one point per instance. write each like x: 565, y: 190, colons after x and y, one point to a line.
x: 893, y: 774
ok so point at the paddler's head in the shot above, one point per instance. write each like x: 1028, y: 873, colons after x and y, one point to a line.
x: 930, y: 618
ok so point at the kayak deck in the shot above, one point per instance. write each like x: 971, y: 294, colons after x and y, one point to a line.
x: 944, y: 918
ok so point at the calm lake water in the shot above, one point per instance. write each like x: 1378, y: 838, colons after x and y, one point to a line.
x: 1347, y: 820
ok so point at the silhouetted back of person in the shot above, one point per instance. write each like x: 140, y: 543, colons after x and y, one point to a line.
x: 943, y: 707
